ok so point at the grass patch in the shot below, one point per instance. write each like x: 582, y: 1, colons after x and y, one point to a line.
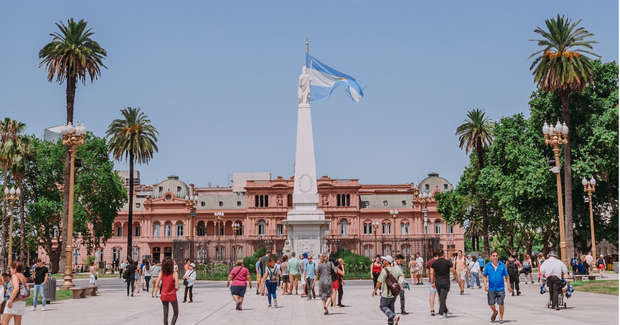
x: 60, y: 295
x: 607, y: 287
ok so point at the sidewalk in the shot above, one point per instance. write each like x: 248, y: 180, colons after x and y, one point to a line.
x: 213, y: 305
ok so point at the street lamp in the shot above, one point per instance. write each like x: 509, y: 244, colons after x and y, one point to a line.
x: 11, y: 195
x: 425, y: 199
x: 72, y: 137
x: 375, y: 225
x: 190, y: 203
x: 555, y: 137
x: 394, y: 214
x: 235, y: 226
x: 589, y: 186
x: 219, y: 218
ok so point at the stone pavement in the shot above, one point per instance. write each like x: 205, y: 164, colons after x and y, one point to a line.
x: 213, y: 305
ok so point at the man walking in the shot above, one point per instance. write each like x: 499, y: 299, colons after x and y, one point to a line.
x: 512, y: 265
x: 589, y: 260
x: 40, y: 279
x: 400, y: 259
x: 553, y: 269
x: 131, y: 278
x: 293, y: 269
x: 387, y: 298
x: 440, y: 279
x: 303, y: 263
x: 310, y: 276
x: 494, y: 275
x: 461, y: 270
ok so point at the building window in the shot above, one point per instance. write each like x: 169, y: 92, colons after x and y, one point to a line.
x: 256, y: 201
x: 238, y: 203
x: 261, y: 228
x: 117, y: 254
x: 219, y: 253
x: 366, y: 204
x: 203, y: 204
x: 136, y: 230
x: 387, y: 249
x: 240, y: 230
x: 445, y: 186
x: 405, y: 250
x: 168, y: 229
x: 427, y: 186
x: 135, y: 255
x: 262, y: 201
x: 137, y: 205
x: 404, y: 228
x: 76, y: 256
x: 201, y: 230
x: 450, y: 229
x: 161, y: 189
x: 280, y: 230
x: 344, y: 227
x: 266, y: 201
x: 156, y: 229
x: 238, y: 252
x: 221, y: 203
x: 367, y: 228
x: 119, y: 231
x: 438, y: 227
x: 387, y: 228
x: 98, y: 255
x: 348, y: 200
x: 385, y: 203
x: 338, y: 200
x: 289, y: 200
x: 178, y: 189
x: 403, y: 203
x: 368, y: 251
x: 179, y: 229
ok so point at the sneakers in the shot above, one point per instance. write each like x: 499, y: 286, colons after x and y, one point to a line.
x: 443, y: 316
x: 269, y: 306
x: 275, y: 302
x: 404, y: 313
x: 396, y: 319
x: 33, y: 309
x: 43, y: 308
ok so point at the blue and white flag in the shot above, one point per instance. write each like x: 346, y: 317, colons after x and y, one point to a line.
x: 326, y: 79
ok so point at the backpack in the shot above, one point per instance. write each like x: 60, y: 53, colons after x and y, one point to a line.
x: 573, y: 262
x: 126, y: 274
x: 273, y: 276
x: 392, y: 283
x: 333, y: 272
x: 511, y: 266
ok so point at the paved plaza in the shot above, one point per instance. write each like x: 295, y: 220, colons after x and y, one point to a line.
x: 213, y: 305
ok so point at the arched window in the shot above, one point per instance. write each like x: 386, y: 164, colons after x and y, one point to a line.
x: 367, y: 228
x: 119, y: 230
x: 438, y: 227
x: 266, y: 201
x: 256, y: 201
x: 179, y: 228
x: 387, y: 228
x: 156, y: 253
x: 219, y: 253
x: 344, y: 227
x: 289, y: 200
x: 201, y: 230
x: 404, y: 228
x: 387, y: 249
x: 136, y: 229
x: 261, y: 228
x: 405, y: 250
x: 135, y: 254
x: 156, y: 229
x: 450, y: 229
x: 239, y: 231
x: 117, y: 254
x: 98, y: 255
x: 348, y: 200
x: 368, y: 251
x: 168, y: 229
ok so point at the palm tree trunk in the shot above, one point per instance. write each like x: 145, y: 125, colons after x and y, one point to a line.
x: 5, y: 230
x: 22, y: 227
x: 568, y: 184
x: 485, y: 220
x: 130, y: 216
x: 71, y: 86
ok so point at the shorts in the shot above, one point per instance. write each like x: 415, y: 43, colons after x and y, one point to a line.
x: 294, y: 277
x: 154, y: 280
x: 19, y: 308
x: 286, y: 279
x: 431, y: 289
x: 92, y: 278
x: 496, y: 297
x: 601, y: 267
x: 238, y: 291
x: 463, y: 275
x: 336, y: 285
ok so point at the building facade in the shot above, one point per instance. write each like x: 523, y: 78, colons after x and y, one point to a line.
x: 165, y: 223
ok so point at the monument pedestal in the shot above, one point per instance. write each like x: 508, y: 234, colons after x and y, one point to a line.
x: 306, y: 232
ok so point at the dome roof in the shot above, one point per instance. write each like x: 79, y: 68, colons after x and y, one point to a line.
x: 172, y: 185
x: 434, y: 181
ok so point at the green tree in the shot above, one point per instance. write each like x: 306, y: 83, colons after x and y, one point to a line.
x: 134, y: 139
x: 21, y: 161
x: 477, y: 133
x: 562, y: 67
x: 71, y: 56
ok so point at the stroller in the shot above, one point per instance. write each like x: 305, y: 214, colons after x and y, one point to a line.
x: 566, y: 290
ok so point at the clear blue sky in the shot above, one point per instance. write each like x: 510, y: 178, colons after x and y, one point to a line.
x: 218, y: 78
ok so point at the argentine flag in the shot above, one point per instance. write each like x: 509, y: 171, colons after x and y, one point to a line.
x: 326, y: 79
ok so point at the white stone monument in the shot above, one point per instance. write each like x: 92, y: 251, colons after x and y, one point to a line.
x: 305, y: 224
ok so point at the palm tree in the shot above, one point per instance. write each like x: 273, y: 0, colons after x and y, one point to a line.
x: 559, y: 70
x: 477, y: 133
x: 71, y: 56
x: 9, y: 130
x: 474, y: 230
x: 21, y: 162
x: 134, y: 139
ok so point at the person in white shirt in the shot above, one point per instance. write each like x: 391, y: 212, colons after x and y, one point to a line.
x: 420, y: 262
x: 553, y: 269
x: 474, y: 272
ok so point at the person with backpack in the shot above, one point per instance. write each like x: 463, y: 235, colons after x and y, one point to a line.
x: 129, y: 276
x: 601, y: 265
x: 390, y: 288
x: 188, y: 282
x: 440, y: 280
x: 270, y: 279
x: 512, y: 265
x: 573, y: 263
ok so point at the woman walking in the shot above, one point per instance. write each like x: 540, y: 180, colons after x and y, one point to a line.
x: 601, y: 265
x: 169, y: 282
x: 270, y: 280
x: 539, y: 261
x: 137, y: 277
x: 340, y: 267
x: 146, y: 270
x: 527, y: 268
x: 16, y: 304
x: 375, y: 270
x: 326, y: 282
x: 188, y: 282
x: 92, y: 269
x: 286, y: 287
x: 239, y: 276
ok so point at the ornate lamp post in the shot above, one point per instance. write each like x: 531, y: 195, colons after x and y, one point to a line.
x: 72, y: 137
x: 589, y: 187
x: 219, y: 218
x: 375, y: 225
x: 394, y: 214
x: 425, y: 199
x: 235, y: 226
x: 555, y: 137
x: 11, y: 195
x: 190, y: 203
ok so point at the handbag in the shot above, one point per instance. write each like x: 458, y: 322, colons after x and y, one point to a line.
x: 185, y: 282
x: 23, y: 293
x: 392, y: 283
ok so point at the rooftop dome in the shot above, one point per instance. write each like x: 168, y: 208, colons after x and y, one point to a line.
x: 173, y: 185
x: 432, y: 181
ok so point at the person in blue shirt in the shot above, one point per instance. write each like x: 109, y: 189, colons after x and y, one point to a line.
x: 310, y: 275
x: 495, y: 275
x: 481, y: 263
x: 259, y: 275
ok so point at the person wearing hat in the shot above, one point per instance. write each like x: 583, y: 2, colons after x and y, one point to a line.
x: 188, y: 281
x: 387, y: 298
x: 553, y: 269
x: 601, y: 265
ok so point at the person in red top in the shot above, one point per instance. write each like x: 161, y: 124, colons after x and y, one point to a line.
x: 375, y: 270
x: 239, y: 275
x: 169, y: 281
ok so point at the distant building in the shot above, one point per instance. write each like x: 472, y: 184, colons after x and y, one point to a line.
x: 124, y: 174
x: 53, y: 134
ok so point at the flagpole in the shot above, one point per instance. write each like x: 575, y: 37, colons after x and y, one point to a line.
x: 307, y: 45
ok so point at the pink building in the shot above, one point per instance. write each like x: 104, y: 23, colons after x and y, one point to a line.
x: 360, y: 220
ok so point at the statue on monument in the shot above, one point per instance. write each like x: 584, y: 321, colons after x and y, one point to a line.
x: 303, y: 90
